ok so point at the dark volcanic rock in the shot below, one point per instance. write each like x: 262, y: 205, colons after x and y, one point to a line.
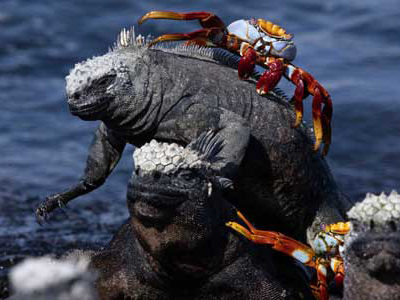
x: 372, y: 253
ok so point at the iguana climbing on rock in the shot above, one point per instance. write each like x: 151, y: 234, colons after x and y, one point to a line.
x: 372, y: 249
x: 175, y: 244
x: 173, y: 94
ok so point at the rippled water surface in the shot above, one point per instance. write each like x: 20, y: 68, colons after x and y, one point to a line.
x: 352, y: 47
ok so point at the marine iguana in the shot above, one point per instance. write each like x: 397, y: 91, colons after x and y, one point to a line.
x: 372, y: 249
x: 175, y: 244
x: 173, y: 94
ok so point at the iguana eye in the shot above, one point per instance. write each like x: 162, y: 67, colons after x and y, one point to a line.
x: 105, y: 81
x: 187, y: 175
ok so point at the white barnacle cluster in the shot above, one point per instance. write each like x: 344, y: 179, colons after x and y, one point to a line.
x: 166, y: 158
x: 379, y: 209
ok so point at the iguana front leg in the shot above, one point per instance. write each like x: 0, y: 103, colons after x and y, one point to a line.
x: 104, y: 154
x: 188, y: 123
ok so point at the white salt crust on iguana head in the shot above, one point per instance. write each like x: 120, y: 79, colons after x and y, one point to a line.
x: 166, y: 158
x: 112, y: 63
x: 378, y: 209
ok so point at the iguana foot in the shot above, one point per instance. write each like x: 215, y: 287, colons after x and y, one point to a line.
x: 52, y: 202
x: 41, y: 214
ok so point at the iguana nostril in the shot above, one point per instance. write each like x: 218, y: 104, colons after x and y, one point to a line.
x: 157, y: 175
x: 76, y: 95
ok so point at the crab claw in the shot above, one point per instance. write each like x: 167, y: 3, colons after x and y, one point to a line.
x: 247, y: 63
x: 270, y: 78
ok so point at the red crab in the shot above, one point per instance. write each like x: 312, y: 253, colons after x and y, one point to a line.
x: 266, y: 44
x: 324, y: 255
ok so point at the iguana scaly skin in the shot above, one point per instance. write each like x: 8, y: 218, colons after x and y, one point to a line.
x: 372, y: 249
x: 175, y: 244
x: 173, y: 94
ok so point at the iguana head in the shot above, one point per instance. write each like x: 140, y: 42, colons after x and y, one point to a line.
x: 94, y: 84
x: 166, y: 176
x: 170, y: 179
x: 176, y: 204
x: 98, y: 87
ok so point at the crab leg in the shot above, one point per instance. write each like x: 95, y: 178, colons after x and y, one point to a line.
x: 338, y: 268
x: 249, y: 58
x: 293, y: 248
x: 203, y: 37
x: 270, y: 78
x: 307, y: 84
x: 277, y: 240
x: 247, y: 61
x: 211, y: 35
x: 206, y: 20
x: 320, y: 290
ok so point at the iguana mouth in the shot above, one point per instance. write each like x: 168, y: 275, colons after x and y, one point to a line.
x: 156, y: 202
x: 89, y: 109
x: 159, y: 196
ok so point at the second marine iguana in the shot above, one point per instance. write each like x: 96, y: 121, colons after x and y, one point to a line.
x: 175, y: 245
x: 173, y: 94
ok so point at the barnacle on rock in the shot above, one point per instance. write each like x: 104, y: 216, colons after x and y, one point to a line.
x: 380, y: 209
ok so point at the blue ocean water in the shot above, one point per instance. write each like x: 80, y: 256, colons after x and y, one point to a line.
x: 351, y: 47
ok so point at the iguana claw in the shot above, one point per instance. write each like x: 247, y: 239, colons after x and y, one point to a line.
x: 52, y: 202
x: 41, y: 214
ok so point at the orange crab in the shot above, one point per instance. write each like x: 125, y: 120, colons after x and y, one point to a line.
x: 266, y: 44
x: 325, y: 255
